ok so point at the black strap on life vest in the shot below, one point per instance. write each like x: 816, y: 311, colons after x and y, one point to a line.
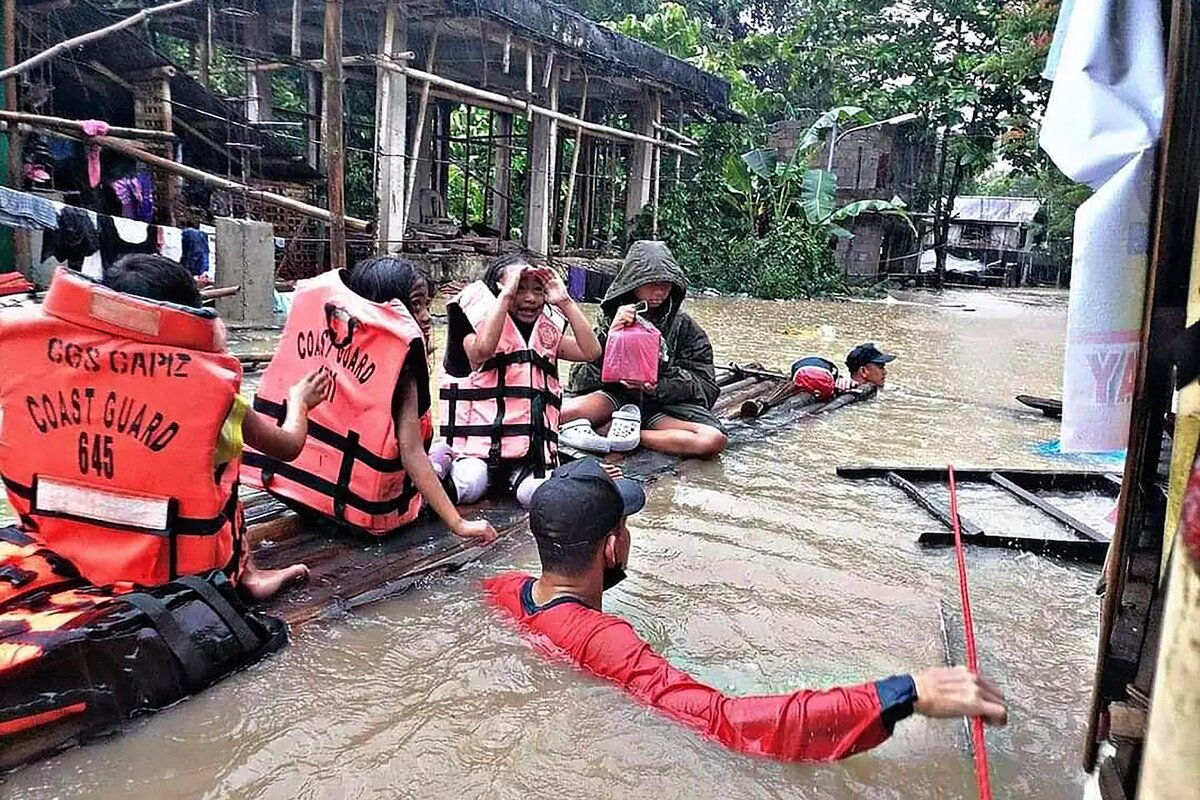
x: 352, y: 452
x: 540, y: 400
x: 229, y: 615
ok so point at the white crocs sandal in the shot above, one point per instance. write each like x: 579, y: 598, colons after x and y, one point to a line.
x: 579, y: 435
x: 625, y: 432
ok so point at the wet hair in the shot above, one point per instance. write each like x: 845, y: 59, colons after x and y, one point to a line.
x: 153, y: 277
x: 382, y: 279
x: 496, y: 267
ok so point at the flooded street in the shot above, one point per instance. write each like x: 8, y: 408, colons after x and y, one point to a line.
x: 760, y: 572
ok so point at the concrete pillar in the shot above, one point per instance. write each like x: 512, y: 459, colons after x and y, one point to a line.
x: 391, y: 130
x: 543, y: 148
x: 246, y: 258
x: 641, y: 156
x: 503, y: 178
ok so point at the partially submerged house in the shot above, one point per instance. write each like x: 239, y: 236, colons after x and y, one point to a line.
x: 993, y: 240
x: 447, y: 127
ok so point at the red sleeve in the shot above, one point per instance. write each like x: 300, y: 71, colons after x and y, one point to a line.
x: 802, y: 726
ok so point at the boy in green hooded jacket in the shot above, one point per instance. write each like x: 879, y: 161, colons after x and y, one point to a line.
x: 674, y: 412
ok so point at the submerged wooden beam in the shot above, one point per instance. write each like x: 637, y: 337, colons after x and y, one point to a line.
x: 936, y: 509
x: 1064, y: 480
x: 1080, y: 527
x: 1070, y: 549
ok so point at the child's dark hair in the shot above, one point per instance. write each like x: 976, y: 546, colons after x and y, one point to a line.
x: 382, y: 279
x: 496, y: 267
x: 153, y: 277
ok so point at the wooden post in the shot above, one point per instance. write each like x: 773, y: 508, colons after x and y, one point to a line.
x: 258, y: 84
x: 656, y: 192
x: 22, y: 249
x: 418, y: 132
x: 542, y: 151
x: 391, y: 129
x: 297, y: 28
x: 641, y: 158
x: 566, y: 215
x: 335, y: 153
x: 503, y: 181
x: 204, y: 47
x: 314, y: 127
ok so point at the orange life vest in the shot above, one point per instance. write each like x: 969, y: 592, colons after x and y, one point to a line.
x: 508, y: 408
x: 350, y: 468
x: 113, y: 407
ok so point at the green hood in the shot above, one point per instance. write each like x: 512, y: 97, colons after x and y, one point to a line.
x: 646, y: 262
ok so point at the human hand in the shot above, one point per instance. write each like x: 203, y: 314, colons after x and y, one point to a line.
x: 556, y: 290
x: 311, y: 390
x: 640, y: 386
x: 612, y: 470
x: 844, y: 384
x: 512, y: 279
x: 475, y: 529
x: 625, y: 316
x: 946, y: 692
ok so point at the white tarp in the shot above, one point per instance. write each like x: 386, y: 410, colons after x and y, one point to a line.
x: 1007, y: 210
x: 953, y: 263
x: 1100, y: 128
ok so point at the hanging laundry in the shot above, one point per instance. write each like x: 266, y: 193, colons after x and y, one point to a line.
x: 195, y: 251
x: 576, y: 283
x: 75, y: 239
x: 21, y: 210
x: 94, y: 127
x: 113, y: 245
x: 172, y: 243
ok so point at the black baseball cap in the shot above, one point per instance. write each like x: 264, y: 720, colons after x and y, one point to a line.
x: 581, y: 503
x: 867, y: 353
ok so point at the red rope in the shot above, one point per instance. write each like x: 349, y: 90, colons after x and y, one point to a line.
x: 980, y: 745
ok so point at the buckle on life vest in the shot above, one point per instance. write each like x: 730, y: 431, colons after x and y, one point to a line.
x: 335, y: 312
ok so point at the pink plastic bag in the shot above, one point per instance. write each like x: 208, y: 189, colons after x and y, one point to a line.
x: 631, y: 354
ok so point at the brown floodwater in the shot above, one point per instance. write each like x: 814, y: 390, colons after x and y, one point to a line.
x: 760, y: 572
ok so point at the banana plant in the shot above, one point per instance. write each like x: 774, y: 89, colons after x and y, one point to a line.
x: 764, y: 188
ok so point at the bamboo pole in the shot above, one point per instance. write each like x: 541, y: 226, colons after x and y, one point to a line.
x: 418, y: 132
x: 90, y: 36
x: 127, y: 149
x: 205, y: 47
x: 521, y: 105
x: 77, y: 125
x: 297, y: 28
x: 566, y: 220
x: 335, y: 133
x: 655, y: 188
x: 672, y: 132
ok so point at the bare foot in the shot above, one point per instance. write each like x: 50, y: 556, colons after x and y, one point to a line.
x: 263, y: 584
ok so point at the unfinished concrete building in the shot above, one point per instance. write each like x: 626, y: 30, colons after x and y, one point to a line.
x: 448, y: 127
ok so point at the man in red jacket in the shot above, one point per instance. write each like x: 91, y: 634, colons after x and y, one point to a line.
x: 578, y: 521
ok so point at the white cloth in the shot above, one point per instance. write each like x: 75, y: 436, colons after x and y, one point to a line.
x: 172, y: 243
x: 131, y: 231
x: 1101, y: 127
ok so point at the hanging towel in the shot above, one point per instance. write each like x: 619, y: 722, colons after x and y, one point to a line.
x: 131, y: 231
x: 172, y: 243
x: 21, y: 210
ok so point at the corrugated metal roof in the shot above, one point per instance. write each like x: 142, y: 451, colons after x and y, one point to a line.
x: 1004, y: 210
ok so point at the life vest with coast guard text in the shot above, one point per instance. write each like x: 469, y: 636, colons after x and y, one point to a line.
x: 350, y: 469
x: 507, y: 409
x: 112, y: 410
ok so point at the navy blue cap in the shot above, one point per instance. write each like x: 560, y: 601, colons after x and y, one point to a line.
x: 581, y: 503
x: 867, y: 353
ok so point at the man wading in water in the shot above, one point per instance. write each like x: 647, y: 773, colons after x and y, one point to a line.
x: 578, y: 521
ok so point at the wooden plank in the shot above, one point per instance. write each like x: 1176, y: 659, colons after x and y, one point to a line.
x: 335, y: 133
x: 1053, y: 479
x: 1069, y: 549
x: 936, y: 509
x: 1079, y: 526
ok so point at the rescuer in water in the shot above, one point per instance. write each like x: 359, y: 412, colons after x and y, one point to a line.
x: 159, y: 278
x: 500, y: 391
x: 578, y: 520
